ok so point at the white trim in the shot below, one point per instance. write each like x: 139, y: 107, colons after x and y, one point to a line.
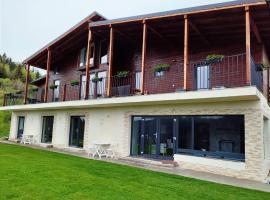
x: 222, y: 95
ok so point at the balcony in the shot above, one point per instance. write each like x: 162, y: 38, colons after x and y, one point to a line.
x: 229, y: 73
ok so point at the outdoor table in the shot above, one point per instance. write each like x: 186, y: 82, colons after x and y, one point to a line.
x: 101, y: 148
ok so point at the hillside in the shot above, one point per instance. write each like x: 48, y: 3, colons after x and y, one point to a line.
x: 12, y: 79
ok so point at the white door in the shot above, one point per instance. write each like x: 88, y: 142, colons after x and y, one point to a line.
x: 203, y: 77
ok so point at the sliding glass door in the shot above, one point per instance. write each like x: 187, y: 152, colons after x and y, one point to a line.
x: 76, y: 134
x: 208, y: 136
x: 153, y: 137
x: 47, y: 129
x: 150, y: 136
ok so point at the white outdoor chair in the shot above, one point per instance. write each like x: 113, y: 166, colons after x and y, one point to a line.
x: 27, y: 139
x: 92, y: 151
x: 111, y: 151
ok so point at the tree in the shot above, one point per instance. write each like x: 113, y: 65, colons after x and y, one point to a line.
x: 38, y: 75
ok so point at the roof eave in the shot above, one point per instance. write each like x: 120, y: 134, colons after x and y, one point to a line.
x: 49, y: 45
x: 179, y: 12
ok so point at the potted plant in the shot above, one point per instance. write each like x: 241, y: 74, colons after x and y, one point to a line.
x: 214, y: 59
x: 74, y: 82
x: 122, y: 74
x: 261, y: 66
x: 159, y: 69
x: 96, y: 78
x: 52, y: 87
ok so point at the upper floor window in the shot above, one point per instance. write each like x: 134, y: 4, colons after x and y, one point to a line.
x: 103, y: 58
x: 83, y: 54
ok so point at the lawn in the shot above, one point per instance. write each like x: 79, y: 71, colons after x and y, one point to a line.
x: 4, y: 123
x: 36, y: 174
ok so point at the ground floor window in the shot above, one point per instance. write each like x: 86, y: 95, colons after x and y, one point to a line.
x: 208, y: 136
x: 47, y: 129
x: 76, y: 134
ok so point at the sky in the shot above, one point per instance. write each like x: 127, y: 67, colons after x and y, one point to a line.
x: 28, y: 25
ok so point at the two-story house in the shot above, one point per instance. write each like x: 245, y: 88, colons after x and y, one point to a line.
x: 190, y: 85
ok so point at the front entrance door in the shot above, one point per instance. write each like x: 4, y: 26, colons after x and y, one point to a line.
x: 153, y: 137
x: 47, y: 129
x: 20, y: 127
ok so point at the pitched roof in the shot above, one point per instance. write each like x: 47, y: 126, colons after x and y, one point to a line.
x: 67, y: 33
x: 183, y: 11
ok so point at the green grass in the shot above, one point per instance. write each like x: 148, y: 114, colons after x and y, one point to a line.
x: 27, y: 173
x: 4, y: 123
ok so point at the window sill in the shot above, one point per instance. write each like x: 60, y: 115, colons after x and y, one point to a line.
x: 211, y: 162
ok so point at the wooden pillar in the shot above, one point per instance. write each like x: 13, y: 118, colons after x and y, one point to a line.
x: 47, y: 76
x: 26, y: 83
x: 186, y: 33
x: 64, y: 92
x: 88, y: 57
x: 248, y: 52
x: 144, y: 44
x: 109, y: 82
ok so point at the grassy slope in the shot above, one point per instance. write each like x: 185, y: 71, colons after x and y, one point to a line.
x: 34, y: 174
x: 4, y: 123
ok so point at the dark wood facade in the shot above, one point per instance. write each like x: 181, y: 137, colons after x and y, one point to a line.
x: 182, y: 41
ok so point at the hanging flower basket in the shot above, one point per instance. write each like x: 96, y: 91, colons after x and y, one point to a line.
x: 96, y: 78
x: 162, y: 67
x: 122, y: 74
x: 52, y: 87
x: 214, y: 59
x: 261, y: 66
x: 74, y: 82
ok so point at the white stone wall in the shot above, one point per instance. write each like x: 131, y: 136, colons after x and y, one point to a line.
x: 113, y: 125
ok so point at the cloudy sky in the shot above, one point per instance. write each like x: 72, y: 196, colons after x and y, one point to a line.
x: 28, y: 25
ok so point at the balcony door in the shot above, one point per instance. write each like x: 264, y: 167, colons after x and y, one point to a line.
x: 202, y: 77
x: 56, y: 91
x: 47, y: 129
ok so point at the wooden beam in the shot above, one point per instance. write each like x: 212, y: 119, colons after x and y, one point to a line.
x: 26, y: 83
x: 109, y: 84
x: 87, y: 70
x: 255, y: 30
x: 47, y: 75
x: 186, y: 31
x: 202, y: 36
x: 248, y: 52
x: 157, y: 33
x: 144, y: 44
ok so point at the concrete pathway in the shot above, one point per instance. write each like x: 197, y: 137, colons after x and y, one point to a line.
x: 166, y: 168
